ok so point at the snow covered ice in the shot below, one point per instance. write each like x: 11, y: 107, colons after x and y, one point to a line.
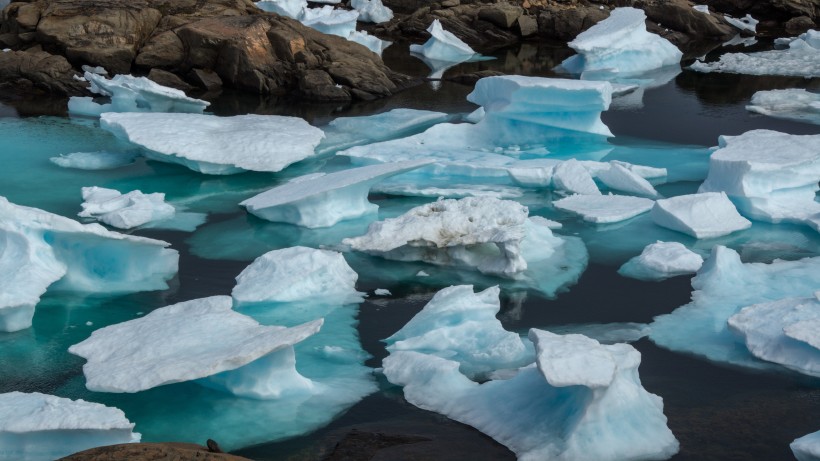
x: 124, y: 211
x: 218, y: 145
x: 791, y: 104
x: 443, y: 46
x: 662, y: 260
x: 800, y: 59
x: 621, y: 178
x: 372, y: 11
x: 571, y: 177
x: 42, y: 427
x: 807, y: 448
x: 746, y: 23
x: 602, y: 209
x: 703, y: 215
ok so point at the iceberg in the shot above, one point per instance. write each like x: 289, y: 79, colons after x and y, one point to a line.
x: 443, y: 46
x: 661, y: 260
x: 791, y: 104
x: 807, y: 448
x: 620, y: 44
x: 124, y: 211
x: 372, y: 11
x: 747, y: 23
x: 371, y: 42
x: 133, y: 94
x: 42, y: 427
x: 703, y: 215
x: 101, y: 160
x: 800, y: 59
x: 602, y: 209
x: 322, y: 201
x: 447, y: 327
x: 290, y: 8
x: 218, y: 145
x: 583, y: 401
x: 701, y: 8
x: 331, y: 21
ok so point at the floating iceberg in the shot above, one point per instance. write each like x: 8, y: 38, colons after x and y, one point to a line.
x: 619, y: 177
x: 770, y: 176
x: 293, y: 9
x: 807, y: 448
x: 443, y: 46
x: 790, y: 104
x: 218, y: 145
x: 747, y: 23
x: 583, y: 401
x: 133, y: 94
x: 39, y: 249
x: 662, y: 260
x: 322, y: 201
x: 331, y: 21
x: 800, y: 59
x: 371, y: 42
x: 372, y: 11
x: 621, y: 44
x: 722, y: 287
x: 124, y: 211
x: 101, y: 160
x: 704, y: 215
x: 602, y: 209
x: 785, y: 332
x: 42, y: 427
x: 461, y: 326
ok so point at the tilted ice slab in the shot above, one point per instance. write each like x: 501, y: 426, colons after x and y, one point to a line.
x: 329, y: 20
x: 791, y: 104
x: 94, y: 160
x: 133, y: 94
x: 571, y: 177
x: 218, y: 145
x: 602, y: 209
x: 785, y: 332
x: 800, y: 59
x: 722, y: 287
x: 42, y: 427
x: 372, y: 11
x: 746, y: 23
x: 443, y: 46
x: 621, y: 44
x: 124, y: 211
x: 322, y: 201
x: 298, y: 274
x: 661, y: 260
x: 583, y: 401
x: 38, y: 249
x: 201, y: 338
x: 460, y: 325
x: 703, y: 215
x: 807, y: 448
x: 619, y: 177
x: 770, y: 176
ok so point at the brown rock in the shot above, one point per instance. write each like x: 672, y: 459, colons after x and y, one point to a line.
x: 28, y: 15
x: 43, y: 70
x: 165, y: 78
x: 501, y: 14
x: 318, y: 85
x: 679, y: 16
x: 206, y: 79
x: 566, y: 23
x: 526, y: 25
x: 799, y: 25
x: 472, y: 77
x: 151, y: 452
x: 162, y: 50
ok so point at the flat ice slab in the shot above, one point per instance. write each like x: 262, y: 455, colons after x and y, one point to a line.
x: 704, y: 215
x: 41, y: 427
x: 218, y: 145
x: 661, y: 260
x: 443, y: 46
x: 124, y: 211
x: 791, y: 104
x: 602, y: 209
x: 191, y: 340
x: 807, y: 448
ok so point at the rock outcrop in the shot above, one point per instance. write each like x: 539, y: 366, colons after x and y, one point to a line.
x: 152, y: 452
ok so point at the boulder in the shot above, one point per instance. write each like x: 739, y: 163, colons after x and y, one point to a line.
x: 679, y: 16
x: 799, y: 25
x: 206, y: 79
x: 165, y: 78
x: 566, y: 22
x: 501, y: 14
x: 42, y: 70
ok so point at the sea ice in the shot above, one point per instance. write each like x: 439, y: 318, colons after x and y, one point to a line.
x: 619, y: 177
x: 101, y: 160
x: 133, y: 94
x: 661, y: 260
x: 124, y: 211
x: 621, y: 44
x: 42, y: 427
x: 372, y: 11
x: 331, y: 21
x: 807, y: 448
x: 703, y: 215
x: 218, y: 145
x: 443, y: 46
x: 747, y: 23
x: 570, y: 176
x: 791, y: 104
x: 602, y: 209
x: 323, y: 201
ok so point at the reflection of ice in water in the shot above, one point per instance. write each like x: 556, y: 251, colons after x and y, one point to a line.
x: 438, y: 67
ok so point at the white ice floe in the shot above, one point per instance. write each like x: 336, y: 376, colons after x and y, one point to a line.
x: 597, y: 408
x: 770, y: 176
x: 42, y: 427
x: 807, y: 448
x: 571, y: 177
x: 661, y: 260
x: 218, y: 145
x: 290, y: 8
x: 329, y: 20
x: 792, y: 104
x: 800, y: 59
x: 38, y: 249
x: 722, y: 287
x: 133, y: 94
x: 201, y: 338
x: 621, y: 44
x: 619, y: 177
x: 703, y: 215
x: 100, y: 160
x: 371, y: 42
x: 443, y: 46
x: 602, y: 209
x: 124, y: 211
x: 449, y: 327
x: 323, y: 201
x: 298, y: 274
x: 786, y: 332
x: 372, y: 11
x: 746, y: 23
x: 346, y: 132
x: 382, y: 292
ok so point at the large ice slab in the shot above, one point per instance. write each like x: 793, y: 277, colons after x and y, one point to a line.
x: 791, y: 104
x: 133, y: 94
x: 807, y: 448
x: 800, y: 59
x: 602, y: 209
x: 42, y: 427
x: 704, y: 215
x: 218, y: 145
x: 598, y: 409
x: 372, y: 11
x: 124, y: 211
x: 621, y: 44
x: 324, y: 200
x: 662, y: 260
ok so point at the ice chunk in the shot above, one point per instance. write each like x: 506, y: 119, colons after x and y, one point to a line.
x: 785, y: 332
x: 101, y: 160
x: 747, y: 23
x: 290, y: 8
x: 443, y: 46
x: 133, y: 94
x: 570, y: 176
x: 603, y: 209
x: 218, y: 145
x: 42, y: 427
x: 702, y: 8
x: 372, y: 11
x: 371, y: 42
x: 619, y: 177
x: 791, y: 104
x: 298, y: 274
x: 460, y: 325
x: 621, y: 44
x: 704, y: 215
x: 606, y: 333
x: 662, y: 260
x: 124, y: 211
x: 331, y: 21
x: 382, y: 292
x: 807, y: 448
x: 326, y: 200
x: 800, y: 59
x: 573, y: 360
x: 455, y: 191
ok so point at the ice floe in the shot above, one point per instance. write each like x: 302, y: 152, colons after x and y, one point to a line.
x: 791, y: 104
x: 662, y: 260
x: 602, y: 209
x: 807, y: 448
x: 443, y: 46
x: 372, y: 11
x: 329, y: 20
x: 101, y: 160
x: 124, y: 211
x: 619, y: 177
x: 703, y: 215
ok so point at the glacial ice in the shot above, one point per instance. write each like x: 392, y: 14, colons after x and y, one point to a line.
x: 619, y: 177
x: 703, y: 215
x: 791, y: 104
x: 133, y: 94
x: 329, y: 20
x: 722, y: 287
x: 661, y: 260
x: 807, y: 448
x: 446, y: 327
x: 746, y: 23
x: 570, y: 176
x: 101, y: 160
x: 42, y: 427
x: 702, y: 8
x: 371, y: 42
x: 290, y: 8
x: 443, y: 46
x: 620, y: 44
x: 124, y: 211
x: 602, y: 209
x: 800, y: 59
x: 372, y: 11
x: 585, y: 417
x: 323, y: 201
x: 218, y: 145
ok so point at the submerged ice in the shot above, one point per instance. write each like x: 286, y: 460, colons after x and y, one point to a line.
x: 792, y: 104
x: 124, y: 211
x: 662, y: 260
x: 800, y: 59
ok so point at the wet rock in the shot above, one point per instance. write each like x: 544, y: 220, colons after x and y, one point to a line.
x: 565, y: 23
x: 161, y: 50
x: 166, y: 78
x: 680, y: 17
x: 526, y: 25
x: 206, y: 79
x: 799, y: 25
x: 39, y: 69
x: 501, y: 14
x: 152, y: 452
